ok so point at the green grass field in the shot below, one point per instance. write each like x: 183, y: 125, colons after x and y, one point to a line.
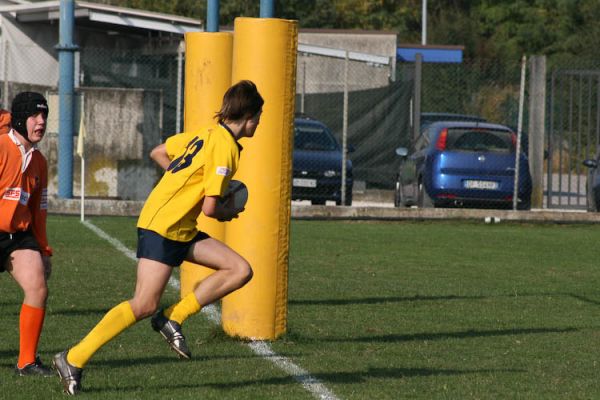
x: 403, y: 310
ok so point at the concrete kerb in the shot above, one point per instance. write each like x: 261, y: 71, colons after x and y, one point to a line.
x: 108, y: 207
x: 399, y: 214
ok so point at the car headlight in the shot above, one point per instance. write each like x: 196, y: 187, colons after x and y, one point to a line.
x: 330, y: 173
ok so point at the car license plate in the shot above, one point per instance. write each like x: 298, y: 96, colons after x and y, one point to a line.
x: 302, y: 182
x: 486, y: 185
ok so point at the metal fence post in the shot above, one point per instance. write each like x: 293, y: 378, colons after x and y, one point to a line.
x: 66, y: 50
x: 417, y: 96
x: 519, y: 132
x: 303, y: 92
x: 550, y: 142
x: 537, y: 127
x: 212, y: 16
x: 5, y: 90
x: 345, y: 131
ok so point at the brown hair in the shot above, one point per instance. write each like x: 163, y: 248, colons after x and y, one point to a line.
x: 241, y: 100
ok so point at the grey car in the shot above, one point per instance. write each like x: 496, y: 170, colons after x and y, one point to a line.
x: 593, y: 183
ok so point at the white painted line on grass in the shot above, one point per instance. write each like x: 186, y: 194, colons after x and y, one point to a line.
x: 307, y: 381
x: 259, y: 347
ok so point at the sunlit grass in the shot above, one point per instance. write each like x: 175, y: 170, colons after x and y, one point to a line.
x: 399, y: 310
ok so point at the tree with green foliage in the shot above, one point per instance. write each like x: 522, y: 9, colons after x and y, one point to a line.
x: 500, y: 30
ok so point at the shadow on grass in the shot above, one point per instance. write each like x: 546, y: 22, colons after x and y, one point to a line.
x: 380, y: 300
x: 142, y: 388
x: 347, y: 377
x: 78, y: 311
x: 334, y: 377
x: 455, y: 335
x: 585, y: 299
x: 363, y: 376
x: 9, y: 359
x: 156, y: 360
x: 8, y: 353
x: 402, y: 299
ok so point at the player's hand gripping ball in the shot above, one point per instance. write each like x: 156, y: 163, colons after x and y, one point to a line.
x: 236, y: 195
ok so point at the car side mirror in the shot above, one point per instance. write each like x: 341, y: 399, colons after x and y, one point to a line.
x: 402, y: 151
x: 590, y: 163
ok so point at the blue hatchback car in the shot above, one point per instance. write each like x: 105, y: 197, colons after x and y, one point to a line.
x: 317, y: 164
x: 463, y: 163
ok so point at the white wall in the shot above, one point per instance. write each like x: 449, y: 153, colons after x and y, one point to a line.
x: 326, y: 74
x: 28, y: 53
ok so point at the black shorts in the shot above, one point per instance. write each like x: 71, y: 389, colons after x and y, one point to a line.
x: 153, y: 246
x: 10, y: 242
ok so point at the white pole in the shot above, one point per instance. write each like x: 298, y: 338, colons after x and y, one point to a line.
x: 82, y: 188
x: 519, y: 132
x: 424, y: 23
x: 82, y: 155
x: 180, y: 51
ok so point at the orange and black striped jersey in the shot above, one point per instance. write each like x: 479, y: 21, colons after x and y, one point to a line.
x: 23, y: 190
x: 5, y: 119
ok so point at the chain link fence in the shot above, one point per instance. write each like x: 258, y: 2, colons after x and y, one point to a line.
x: 454, y: 158
x: 573, y: 134
x: 364, y: 109
x: 361, y: 104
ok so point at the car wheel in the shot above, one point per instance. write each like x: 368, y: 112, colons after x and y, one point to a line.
x: 348, y: 199
x: 398, y: 194
x: 589, y: 200
x: 594, y: 204
x: 424, y: 201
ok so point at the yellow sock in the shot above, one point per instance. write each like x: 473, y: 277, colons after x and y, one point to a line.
x: 181, y: 311
x: 114, y: 322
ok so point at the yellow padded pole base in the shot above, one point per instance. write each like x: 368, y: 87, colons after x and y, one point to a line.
x: 264, y: 52
x: 207, y: 78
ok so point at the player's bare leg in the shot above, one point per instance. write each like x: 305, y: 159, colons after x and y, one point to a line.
x: 152, y: 277
x: 231, y: 273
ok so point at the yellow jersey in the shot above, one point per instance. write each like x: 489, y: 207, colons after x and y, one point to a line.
x: 202, y: 164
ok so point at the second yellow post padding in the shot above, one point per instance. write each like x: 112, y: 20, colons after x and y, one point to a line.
x: 207, y: 78
x: 264, y: 51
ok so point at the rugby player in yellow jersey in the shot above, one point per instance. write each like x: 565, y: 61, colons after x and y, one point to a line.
x: 199, y: 166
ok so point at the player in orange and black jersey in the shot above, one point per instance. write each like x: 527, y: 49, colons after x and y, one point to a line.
x: 4, y: 121
x: 24, y: 250
x: 198, y: 166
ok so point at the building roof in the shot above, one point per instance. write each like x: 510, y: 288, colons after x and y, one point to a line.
x: 87, y: 13
x: 430, y: 53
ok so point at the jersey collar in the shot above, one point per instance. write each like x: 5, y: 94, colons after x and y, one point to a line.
x: 25, y: 155
x: 232, y: 135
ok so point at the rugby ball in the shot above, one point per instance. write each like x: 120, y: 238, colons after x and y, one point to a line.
x: 236, y: 195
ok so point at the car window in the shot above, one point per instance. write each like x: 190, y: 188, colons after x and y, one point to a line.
x: 490, y: 140
x: 313, y: 138
x: 430, y: 118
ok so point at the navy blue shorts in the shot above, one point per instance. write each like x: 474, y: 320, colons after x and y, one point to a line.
x: 10, y: 242
x: 153, y: 246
